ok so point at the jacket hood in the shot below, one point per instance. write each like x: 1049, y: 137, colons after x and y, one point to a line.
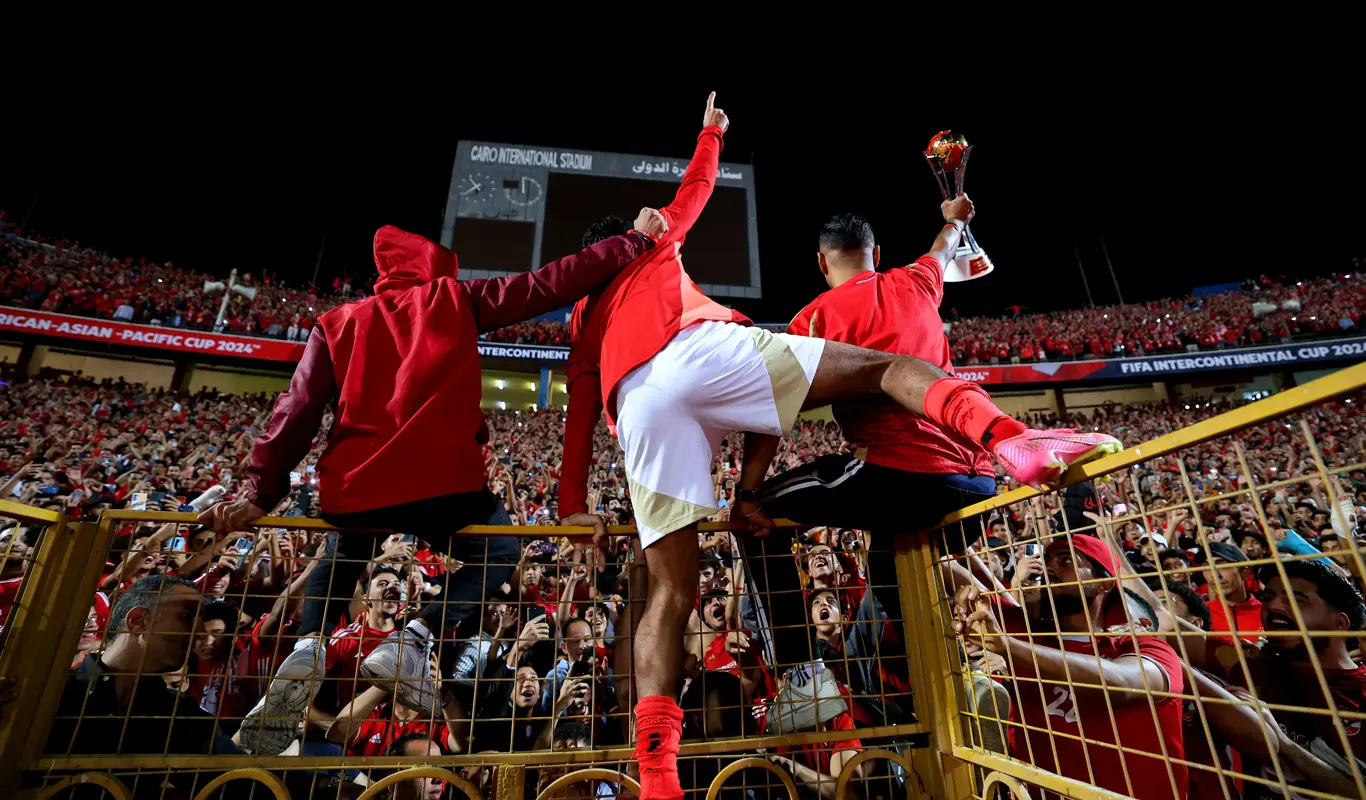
x: 406, y: 260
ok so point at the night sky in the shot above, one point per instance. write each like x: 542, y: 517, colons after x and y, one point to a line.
x: 1186, y: 189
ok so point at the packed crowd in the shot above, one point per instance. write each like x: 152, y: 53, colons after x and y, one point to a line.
x: 1266, y: 311
x: 67, y: 278
x: 541, y: 668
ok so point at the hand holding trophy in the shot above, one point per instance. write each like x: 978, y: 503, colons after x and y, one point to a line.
x: 947, y: 156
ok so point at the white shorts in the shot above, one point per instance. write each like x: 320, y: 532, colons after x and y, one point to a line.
x: 673, y: 411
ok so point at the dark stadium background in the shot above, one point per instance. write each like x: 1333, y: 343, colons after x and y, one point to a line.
x: 1186, y: 187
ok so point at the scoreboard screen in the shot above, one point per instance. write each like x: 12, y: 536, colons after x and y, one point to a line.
x: 512, y: 208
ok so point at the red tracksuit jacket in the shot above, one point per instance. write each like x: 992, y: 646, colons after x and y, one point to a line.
x: 403, y: 370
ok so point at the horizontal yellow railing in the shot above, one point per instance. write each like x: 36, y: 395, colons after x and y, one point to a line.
x: 313, y: 524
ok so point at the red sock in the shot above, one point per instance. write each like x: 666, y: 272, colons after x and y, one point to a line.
x: 965, y: 407
x: 659, y: 726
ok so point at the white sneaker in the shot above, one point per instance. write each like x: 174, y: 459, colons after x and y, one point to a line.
x: 273, y: 723
x: 400, y: 663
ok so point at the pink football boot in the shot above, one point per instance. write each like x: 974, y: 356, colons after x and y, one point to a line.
x: 1040, y: 457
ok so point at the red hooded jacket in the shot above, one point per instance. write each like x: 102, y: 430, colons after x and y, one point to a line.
x: 403, y: 370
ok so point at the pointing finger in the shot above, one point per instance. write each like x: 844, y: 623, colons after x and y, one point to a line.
x: 711, y: 101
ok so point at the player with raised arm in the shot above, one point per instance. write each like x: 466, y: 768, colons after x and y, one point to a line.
x: 677, y: 372
x: 896, y: 453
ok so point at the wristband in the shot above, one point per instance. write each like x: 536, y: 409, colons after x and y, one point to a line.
x: 957, y: 224
x: 746, y: 496
x: 645, y: 237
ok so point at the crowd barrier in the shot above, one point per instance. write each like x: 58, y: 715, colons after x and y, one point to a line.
x: 985, y: 716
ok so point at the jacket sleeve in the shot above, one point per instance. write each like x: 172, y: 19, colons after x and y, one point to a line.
x: 698, y: 182
x: 585, y: 408
x: 499, y: 302
x: 293, y: 423
x: 862, y: 640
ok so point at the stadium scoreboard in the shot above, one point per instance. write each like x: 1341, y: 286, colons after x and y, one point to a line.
x: 512, y: 208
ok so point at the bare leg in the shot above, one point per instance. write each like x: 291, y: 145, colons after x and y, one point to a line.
x: 847, y: 372
x: 1030, y: 457
x: 672, y: 562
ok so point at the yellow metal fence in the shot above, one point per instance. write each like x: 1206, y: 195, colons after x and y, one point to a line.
x: 1085, y: 678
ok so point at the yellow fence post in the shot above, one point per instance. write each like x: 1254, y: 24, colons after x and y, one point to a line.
x: 36, y: 624
x: 936, y: 700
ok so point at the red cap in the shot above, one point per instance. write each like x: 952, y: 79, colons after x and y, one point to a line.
x: 1092, y: 548
x: 101, y: 606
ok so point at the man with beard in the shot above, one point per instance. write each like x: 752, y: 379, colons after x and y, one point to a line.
x: 352, y: 644
x: 932, y: 454
x: 1068, y: 685
x: 1312, y: 753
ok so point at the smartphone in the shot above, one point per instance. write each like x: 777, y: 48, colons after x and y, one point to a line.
x: 1033, y: 550
x: 580, y: 668
x: 178, y: 543
x: 244, y: 544
x: 409, y: 539
x: 138, y: 501
x: 296, y: 478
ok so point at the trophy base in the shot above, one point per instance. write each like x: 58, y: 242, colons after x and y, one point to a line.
x: 968, y: 266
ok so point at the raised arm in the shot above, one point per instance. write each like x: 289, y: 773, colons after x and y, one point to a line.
x: 700, y: 177
x: 349, y: 719
x: 957, y: 214
x: 1133, y: 671
x: 499, y: 302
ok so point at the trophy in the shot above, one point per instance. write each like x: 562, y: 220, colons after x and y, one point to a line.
x: 947, y: 156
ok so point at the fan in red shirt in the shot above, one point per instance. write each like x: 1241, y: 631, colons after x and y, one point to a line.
x: 1284, y: 676
x: 1232, y: 608
x: 724, y: 649
x: 677, y: 372
x: 352, y: 644
x: 401, y: 369
x: 371, y: 723
x: 208, y: 679
x: 1054, y: 676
